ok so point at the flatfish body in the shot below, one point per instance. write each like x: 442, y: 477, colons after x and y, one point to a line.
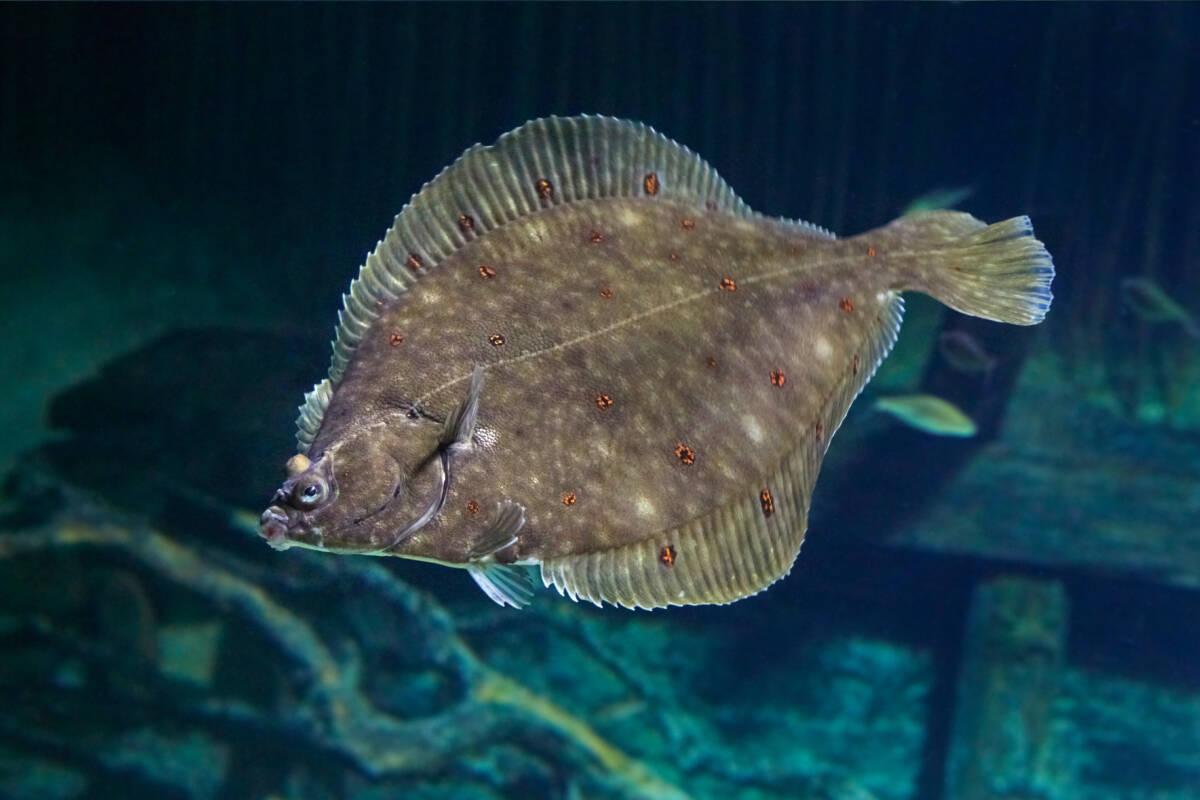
x: 578, y: 349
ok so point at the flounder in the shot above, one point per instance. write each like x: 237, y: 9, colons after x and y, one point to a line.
x: 577, y: 348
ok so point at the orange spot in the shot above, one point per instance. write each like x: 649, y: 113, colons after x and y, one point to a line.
x: 466, y: 223
x: 728, y: 284
x: 667, y: 555
x: 606, y: 293
x: 497, y: 339
x: 685, y: 454
x: 767, y: 502
x: 472, y: 507
x: 687, y: 223
x: 568, y: 498
x: 597, y: 237
x: 846, y: 304
x: 604, y: 402
x: 871, y: 252
x: 396, y: 339
x: 650, y: 183
x: 545, y: 189
x: 414, y: 262
x: 486, y: 272
x: 778, y: 378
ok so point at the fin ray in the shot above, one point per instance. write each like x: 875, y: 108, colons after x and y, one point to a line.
x: 460, y: 424
x: 501, y: 531
x: 998, y: 272
x: 504, y: 584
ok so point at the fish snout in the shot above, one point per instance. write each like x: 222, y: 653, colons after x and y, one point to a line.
x: 273, y: 525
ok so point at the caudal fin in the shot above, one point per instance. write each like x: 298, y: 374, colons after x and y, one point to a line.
x: 999, y: 272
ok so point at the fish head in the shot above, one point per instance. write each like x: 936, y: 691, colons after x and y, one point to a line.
x: 360, y: 494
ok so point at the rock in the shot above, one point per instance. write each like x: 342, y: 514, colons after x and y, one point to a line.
x: 188, y: 651
x: 211, y: 410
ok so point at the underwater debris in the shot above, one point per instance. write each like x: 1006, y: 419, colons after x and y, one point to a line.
x: 329, y: 710
x: 928, y: 414
x: 380, y: 479
x: 938, y: 199
x: 1152, y: 304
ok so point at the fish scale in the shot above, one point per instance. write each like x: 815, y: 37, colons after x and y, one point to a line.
x: 615, y: 370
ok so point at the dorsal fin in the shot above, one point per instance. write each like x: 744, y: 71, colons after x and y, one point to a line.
x: 543, y: 163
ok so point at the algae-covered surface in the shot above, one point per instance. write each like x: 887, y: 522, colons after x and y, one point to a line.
x: 186, y: 191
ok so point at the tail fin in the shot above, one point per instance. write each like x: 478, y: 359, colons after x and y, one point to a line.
x: 998, y: 272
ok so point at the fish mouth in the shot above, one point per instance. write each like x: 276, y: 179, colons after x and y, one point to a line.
x: 273, y: 525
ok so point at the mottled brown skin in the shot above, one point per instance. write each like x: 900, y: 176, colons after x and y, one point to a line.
x: 641, y: 315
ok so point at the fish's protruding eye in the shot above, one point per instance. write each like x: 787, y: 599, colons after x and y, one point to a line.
x: 311, y: 494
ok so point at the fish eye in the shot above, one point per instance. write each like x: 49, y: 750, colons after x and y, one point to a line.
x: 309, y: 496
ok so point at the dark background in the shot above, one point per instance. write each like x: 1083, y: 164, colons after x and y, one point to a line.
x: 296, y: 132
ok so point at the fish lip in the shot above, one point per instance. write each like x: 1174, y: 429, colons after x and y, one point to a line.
x: 273, y: 525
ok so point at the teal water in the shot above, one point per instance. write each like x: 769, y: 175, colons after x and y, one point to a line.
x: 185, y: 193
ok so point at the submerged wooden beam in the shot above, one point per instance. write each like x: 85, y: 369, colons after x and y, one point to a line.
x: 1067, y: 484
x: 1002, y: 739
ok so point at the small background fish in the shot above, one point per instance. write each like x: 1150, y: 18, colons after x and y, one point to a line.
x: 939, y: 199
x: 965, y: 353
x: 1152, y: 304
x: 929, y: 414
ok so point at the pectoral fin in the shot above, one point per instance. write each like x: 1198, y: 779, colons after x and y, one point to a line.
x: 500, y: 532
x: 460, y: 424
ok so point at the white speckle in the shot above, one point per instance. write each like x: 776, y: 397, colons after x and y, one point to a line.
x: 430, y: 297
x: 486, y: 437
x: 538, y: 231
x: 753, y: 429
x: 629, y: 217
x: 644, y: 507
x: 881, y: 296
x: 823, y: 348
